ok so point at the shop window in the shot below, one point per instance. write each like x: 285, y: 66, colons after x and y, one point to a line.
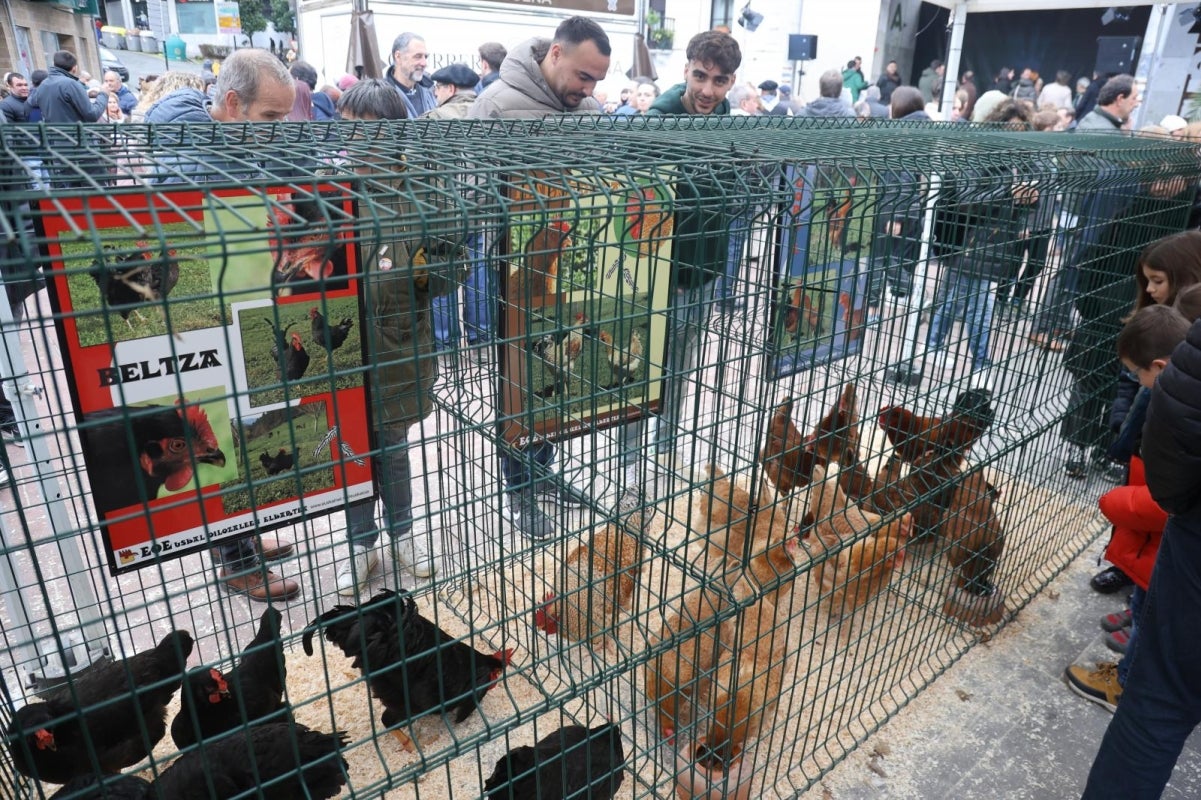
x: 196, y: 17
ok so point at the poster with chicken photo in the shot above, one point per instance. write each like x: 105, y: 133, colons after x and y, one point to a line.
x: 213, y: 347
x: 821, y: 299
x: 587, y: 263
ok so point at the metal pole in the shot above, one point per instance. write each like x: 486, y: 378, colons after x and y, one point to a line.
x: 950, y: 83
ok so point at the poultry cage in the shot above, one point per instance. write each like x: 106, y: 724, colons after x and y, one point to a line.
x: 723, y: 438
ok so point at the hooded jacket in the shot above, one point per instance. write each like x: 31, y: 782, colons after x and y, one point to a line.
x: 1137, y: 526
x: 521, y: 91
x: 827, y: 107
x: 62, y: 98
x: 1172, y: 434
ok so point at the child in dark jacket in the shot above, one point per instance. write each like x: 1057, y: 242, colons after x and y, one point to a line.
x: 1161, y: 700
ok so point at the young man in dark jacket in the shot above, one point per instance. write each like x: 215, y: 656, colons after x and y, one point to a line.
x: 15, y: 107
x: 1161, y: 700
x: 62, y: 98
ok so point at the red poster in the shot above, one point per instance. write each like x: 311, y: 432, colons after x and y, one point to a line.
x: 214, y: 344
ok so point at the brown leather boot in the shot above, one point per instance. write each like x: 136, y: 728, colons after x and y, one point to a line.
x: 256, y: 588
x: 272, y: 548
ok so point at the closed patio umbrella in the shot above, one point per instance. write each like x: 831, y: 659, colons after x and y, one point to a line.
x: 362, y: 58
x: 643, y: 65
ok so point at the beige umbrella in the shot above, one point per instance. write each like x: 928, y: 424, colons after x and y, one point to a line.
x: 643, y: 65
x: 363, y: 58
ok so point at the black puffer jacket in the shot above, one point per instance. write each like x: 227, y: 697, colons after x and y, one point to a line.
x: 1172, y: 436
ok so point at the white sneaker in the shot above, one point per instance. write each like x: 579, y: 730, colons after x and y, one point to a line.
x: 410, y: 552
x: 355, y: 573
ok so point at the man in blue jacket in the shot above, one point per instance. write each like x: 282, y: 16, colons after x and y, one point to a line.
x: 126, y: 99
x: 62, y: 98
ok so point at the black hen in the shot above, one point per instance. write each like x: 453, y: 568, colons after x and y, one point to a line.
x: 160, y: 444
x: 90, y: 787
x: 135, y: 279
x: 49, y: 741
x: 248, y: 760
x: 573, y: 762
x: 289, y: 353
x: 331, y: 337
x: 214, y: 703
x: 411, y: 665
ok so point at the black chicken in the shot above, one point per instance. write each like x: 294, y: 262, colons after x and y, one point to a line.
x: 161, y: 444
x: 289, y: 353
x: 49, y: 741
x: 242, y: 762
x: 331, y: 337
x: 573, y: 762
x: 135, y: 279
x: 213, y: 703
x: 280, y: 462
x: 432, y: 669
x: 90, y: 787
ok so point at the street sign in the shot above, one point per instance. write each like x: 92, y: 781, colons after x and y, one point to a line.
x: 229, y: 18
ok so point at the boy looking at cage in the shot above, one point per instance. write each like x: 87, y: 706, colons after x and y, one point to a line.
x: 403, y: 367
x: 1161, y: 700
x: 1145, y: 346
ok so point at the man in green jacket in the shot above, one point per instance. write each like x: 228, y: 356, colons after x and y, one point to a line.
x: 699, y: 253
x: 852, y: 78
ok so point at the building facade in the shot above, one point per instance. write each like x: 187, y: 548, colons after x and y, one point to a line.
x: 31, y: 32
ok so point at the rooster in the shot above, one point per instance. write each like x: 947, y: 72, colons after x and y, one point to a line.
x: 596, y: 581
x: 624, y: 363
x: 861, y: 548
x: 213, y: 702
x: 559, y: 352
x: 570, y: 762
x: 788, y: 458
x: 135, y: 279
x: 331, y: 337
x: 411, y: 665
x: 288, y: 352
x: 299, y: 255
x: 912, y: 435
x: 162, y: 445
x: 95, y: 724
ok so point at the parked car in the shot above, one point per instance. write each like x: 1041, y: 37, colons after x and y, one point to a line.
x: 109, y: 60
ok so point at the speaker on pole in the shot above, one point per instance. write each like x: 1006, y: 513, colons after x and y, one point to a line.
x: 1117, y: 54
x: 802, y: 47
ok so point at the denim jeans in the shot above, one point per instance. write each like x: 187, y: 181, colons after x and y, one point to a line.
x: 393, y: 477
x: 740, y: 227
x: 1161, y: 701
x: 520, y: 466
x: 1138, y: 598
x: 687, y: 320
x: 973, y: 298
x: 479, y: 303
x: 237, y: 555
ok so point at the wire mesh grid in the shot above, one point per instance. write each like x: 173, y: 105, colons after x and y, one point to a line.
x: 748, y: 431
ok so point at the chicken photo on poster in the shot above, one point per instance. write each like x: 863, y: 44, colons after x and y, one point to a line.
x: 135, y: 286
x: 298, y: 349
x: 580, y: 309
x: 287, y: 452
x: 821, y: 303
x: 276, y: 245
x: 171, y: 447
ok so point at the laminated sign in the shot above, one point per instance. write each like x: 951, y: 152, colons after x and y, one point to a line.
x: 213, y: 343
x: 587, y: 263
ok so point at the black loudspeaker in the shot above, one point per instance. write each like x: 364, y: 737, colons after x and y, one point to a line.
x: 1117, y: 54
x: 802, y: 47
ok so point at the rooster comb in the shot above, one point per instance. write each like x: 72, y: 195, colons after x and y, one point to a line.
x: 197, y: 418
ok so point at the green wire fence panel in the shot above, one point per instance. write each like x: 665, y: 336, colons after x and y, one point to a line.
x: 698, y: 447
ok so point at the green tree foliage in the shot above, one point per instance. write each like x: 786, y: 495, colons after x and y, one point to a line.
x: 282, y: 17
x: 253, y: 19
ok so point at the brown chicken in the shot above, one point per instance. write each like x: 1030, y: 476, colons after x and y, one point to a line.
x: 692, y: 645
x: 595, y: 582
x: 559, y: 352
x: 788, y: 458
x: 746, y: 687
x: 975, y: 542
x: 731, y: 519
x: 624, y: 363
x: 914, y: 435
x: 924, y: 491
x: 862, y: 548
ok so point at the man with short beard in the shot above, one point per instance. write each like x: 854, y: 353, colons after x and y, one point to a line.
x: 407, y: 74
x: 15, y: 107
